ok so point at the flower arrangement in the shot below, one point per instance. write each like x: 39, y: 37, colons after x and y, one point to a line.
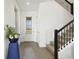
x: 11, y: 32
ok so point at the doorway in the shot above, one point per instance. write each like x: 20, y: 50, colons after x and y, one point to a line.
x: 29, y: 28
x: 29, y: 24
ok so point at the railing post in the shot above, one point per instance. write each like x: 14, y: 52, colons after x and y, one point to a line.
x: 72, y: 9
x: 55, y: 45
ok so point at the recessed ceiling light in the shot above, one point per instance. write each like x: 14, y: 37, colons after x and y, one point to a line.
x: 28, y: 3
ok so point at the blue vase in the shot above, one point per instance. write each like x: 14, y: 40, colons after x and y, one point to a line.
x: 13, y: 50
x: 13, y: 40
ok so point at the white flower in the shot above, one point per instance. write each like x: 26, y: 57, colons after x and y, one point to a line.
x: 16, y: 36
x: 10, y: 36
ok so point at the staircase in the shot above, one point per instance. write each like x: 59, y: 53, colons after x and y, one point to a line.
x: 63, y: 37
x: 50, y: 47
x: 66, y: 4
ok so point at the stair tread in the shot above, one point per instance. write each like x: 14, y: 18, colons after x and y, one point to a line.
x: 50, y: 48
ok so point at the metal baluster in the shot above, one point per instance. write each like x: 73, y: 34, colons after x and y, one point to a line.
x: 61, y: 39
x: 72, y: 31
x: 67, y: 37
x: 58, y: 41
x: 68, y: 33
x: 64, y: 37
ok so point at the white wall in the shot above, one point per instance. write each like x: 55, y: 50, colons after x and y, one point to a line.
x: 9, y: 17
x: 30, y: 37
x: 51, y: 16
x: 67, y: 52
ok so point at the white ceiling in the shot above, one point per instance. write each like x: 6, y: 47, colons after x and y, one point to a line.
x: 34, y: 4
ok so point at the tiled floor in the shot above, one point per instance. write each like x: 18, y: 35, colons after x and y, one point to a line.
x: 30, y: 50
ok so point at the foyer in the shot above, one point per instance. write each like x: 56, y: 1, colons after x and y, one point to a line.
x: 36, y: 22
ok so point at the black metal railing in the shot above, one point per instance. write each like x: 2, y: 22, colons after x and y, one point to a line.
x: 71, y: 4
x: 63, y: 37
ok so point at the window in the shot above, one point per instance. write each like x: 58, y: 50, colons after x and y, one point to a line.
x: 28, y: 23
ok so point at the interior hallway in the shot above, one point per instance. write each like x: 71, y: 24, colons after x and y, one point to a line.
x: 30, y: 50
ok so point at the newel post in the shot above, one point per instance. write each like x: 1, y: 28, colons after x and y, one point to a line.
x: 55, y: 45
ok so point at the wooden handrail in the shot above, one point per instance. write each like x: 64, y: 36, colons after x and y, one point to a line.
x: 65, y: 25
x: 71, y: 6
x: 68, y: 2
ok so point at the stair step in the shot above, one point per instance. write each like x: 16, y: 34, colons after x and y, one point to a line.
x: 50, y: 48
x: 52, y: 43
x: 64, y: 4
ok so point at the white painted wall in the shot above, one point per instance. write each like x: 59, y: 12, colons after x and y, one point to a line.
x: 51, y: 16
x: 17, y: 19
x: 67, y: 52
x: 9, y: 18
x: 24, y: 36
